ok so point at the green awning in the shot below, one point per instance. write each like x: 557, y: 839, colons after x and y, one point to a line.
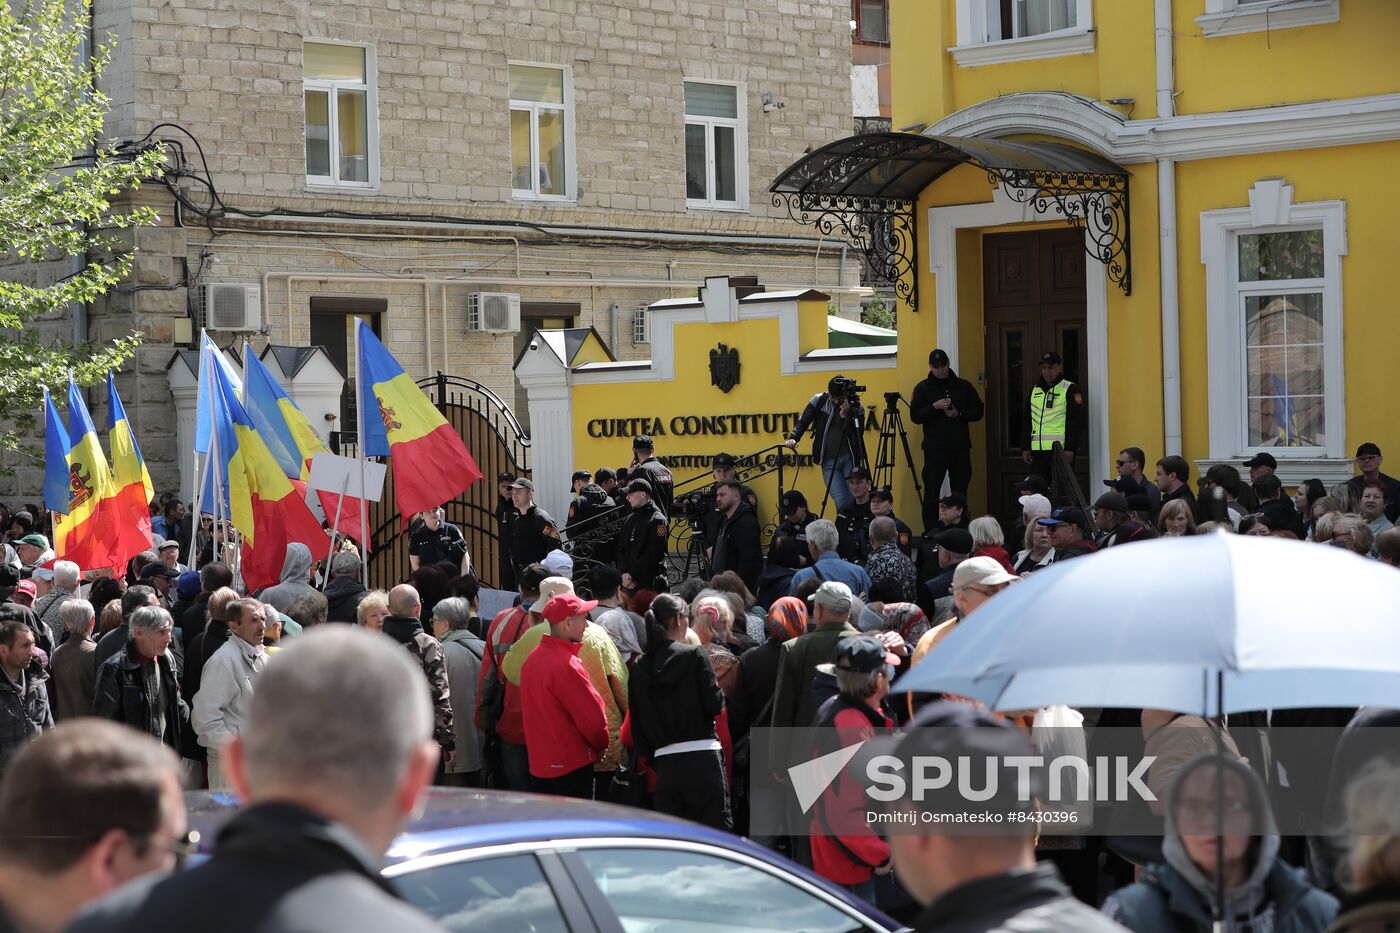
x: 843, y: 333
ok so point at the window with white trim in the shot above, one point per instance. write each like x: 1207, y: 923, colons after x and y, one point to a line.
x: 541, y: 132
x: 716, y: 146
x: 1234, y: 17
x: 1274, y: 325
x: 338, y: 90
x: 991, y: 32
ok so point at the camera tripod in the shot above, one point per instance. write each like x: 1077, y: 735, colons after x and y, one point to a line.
x: 892, y: 426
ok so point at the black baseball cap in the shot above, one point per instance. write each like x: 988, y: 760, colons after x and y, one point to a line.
x: 523, y: 483
x: 582, y: 474
x: 1368, y: 450
x: 1262, y: 459
x: 1065, y: 516
x: 1035, y: 483
x: 505, y: 476
x: 883, y: 493
x: 862, y: 654
x: 1052, y: 358
x: 792, y: 501
x: 151, y: 571
x: 639, y: 485
x: 723, y: 462
x: 859, y: 473
x: 1122, y: 484
x: 955, y: 499
x: 938, y: 358
x: 1139, y: 502
x: 957, y: 540
x: 643, y: 442
x: 1113, y: 502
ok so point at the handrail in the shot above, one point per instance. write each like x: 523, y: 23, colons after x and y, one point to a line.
x: 1064, y: 485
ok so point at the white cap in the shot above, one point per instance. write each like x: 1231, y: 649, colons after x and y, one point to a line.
x: 551, y: 586
x: 1035, y: 505
x: 559, y: 564
x: 981, y: 571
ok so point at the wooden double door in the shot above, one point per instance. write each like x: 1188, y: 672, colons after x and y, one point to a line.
x: 1033, y: 303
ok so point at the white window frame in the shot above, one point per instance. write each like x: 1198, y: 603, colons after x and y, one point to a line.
x: 1233, y: 17
x: 978, y: 20
x: 533, y: 108
x: 1271, y: 210
x: 371, y: 88
x: 740, y: 124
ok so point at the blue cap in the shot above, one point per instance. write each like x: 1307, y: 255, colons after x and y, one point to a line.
x: 188, y: 585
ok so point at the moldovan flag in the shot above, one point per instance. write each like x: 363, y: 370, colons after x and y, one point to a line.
x: 253, y: 490
x: 291, y: 438
x: 132, y: 482
x: 89, y: 534
x: 431, y: 464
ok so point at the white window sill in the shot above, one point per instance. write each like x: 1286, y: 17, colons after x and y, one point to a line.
x: 1294, y: 470
x: 1263, y: 16
x: 330, y: 187
x: 712, y: 206
x: 1049, y: 45
x: 541, y: 198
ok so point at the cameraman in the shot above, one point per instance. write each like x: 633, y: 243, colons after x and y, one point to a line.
x: 736, y: 545
x: 838, y: 439
x: 944, y: 405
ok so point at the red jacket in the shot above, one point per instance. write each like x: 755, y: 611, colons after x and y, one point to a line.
x: 508, y: 626
x: 997, y: 553
x: 856, y: 851
x: 566, y: 725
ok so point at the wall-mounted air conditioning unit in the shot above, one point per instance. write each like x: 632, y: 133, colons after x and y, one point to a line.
x: 493, y: 312
x: 229, y: 306
x: 641, y: 326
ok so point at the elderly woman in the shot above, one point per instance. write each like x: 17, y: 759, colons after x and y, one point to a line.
x: 755, y: 619
x: 1263, y: 894
x: 462, y: 652
x: 1039, y: 551
x: 1175, y: 520
x: 673, y: 704
x: 1373, y: 822
x: 988, y: 540
x: 712, y: 619
x: 373, y: 610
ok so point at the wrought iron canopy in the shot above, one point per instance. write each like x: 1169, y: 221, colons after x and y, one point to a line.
x: 866, y: 187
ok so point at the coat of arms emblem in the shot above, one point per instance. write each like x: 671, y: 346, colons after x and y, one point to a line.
x: 724, y: 367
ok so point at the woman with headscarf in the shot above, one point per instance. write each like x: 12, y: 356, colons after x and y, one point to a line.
x: 1263, y: 894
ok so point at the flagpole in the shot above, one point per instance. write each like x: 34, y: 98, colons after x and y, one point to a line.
x: 360, y: 456
x: 212, y: 460
x: 199, y: 476
x: 335, y: 529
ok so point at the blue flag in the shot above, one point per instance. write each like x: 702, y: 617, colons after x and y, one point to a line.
x: 57, y: 491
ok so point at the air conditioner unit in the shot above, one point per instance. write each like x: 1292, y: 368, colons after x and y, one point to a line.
x: 493, y: 312
x: 232, y: 307
x: 641, y: 326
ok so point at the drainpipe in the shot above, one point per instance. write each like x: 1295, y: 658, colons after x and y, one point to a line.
x: 1166, y: 237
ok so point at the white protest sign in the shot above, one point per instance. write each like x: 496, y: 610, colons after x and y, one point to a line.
x: 341, y: 476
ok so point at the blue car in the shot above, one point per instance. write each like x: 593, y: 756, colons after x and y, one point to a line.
x: 493, y: 860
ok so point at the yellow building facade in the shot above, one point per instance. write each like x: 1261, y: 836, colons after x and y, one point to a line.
x: 1189, y: 200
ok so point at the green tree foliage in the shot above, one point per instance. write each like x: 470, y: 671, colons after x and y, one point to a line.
x: 58, y: 178
x: 877, y: 313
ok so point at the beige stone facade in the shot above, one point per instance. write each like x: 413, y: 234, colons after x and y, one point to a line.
x: 439, y: 219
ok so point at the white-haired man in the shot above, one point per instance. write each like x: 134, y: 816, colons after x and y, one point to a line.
x: 345, y: 589
x: 66, y: 577
x: 72, y: 667
x: 329, y: 768
x: 822, y: 540
x: 137, y: 685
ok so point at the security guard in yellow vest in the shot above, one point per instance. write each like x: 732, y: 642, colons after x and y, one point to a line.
x: 1055, y: 413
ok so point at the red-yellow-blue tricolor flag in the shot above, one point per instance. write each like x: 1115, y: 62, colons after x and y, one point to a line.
x: 89, y: 535
x: 130, y: 479
x: 292, y: 439
x: 256, y: 494
x: 431, y: 464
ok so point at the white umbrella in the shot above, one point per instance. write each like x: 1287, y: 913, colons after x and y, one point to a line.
x: 1175, y: 623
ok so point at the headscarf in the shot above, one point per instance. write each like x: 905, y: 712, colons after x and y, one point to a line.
x: 905, y: 618
x: 618, y: 624
x: 787, y: 618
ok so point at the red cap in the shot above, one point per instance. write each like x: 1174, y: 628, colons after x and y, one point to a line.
x: 565, y: 606
x: 26, y: 587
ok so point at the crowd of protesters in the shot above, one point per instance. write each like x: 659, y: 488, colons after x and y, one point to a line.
x: 608, y: 680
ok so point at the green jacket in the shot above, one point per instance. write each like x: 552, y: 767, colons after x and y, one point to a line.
x: 793, y: 708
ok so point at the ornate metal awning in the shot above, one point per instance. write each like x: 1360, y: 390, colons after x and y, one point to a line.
x: 867, y: 186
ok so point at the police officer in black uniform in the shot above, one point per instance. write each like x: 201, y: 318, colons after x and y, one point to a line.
x: 641, y: 546
x: 606, y: 477
x: 646, y: 466
x: 436, y: 540
x: 945, y: 405
x: 533, y: 534
x: 505, y: 516
x: 789, y: 545
x: 853, y: 522
x: 592, y: 501
x: 882, y: 503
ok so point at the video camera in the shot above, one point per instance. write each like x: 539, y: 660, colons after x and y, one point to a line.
x: 845, y: 386
x: 694, y: 506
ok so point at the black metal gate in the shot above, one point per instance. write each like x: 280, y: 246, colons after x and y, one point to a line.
x: 497, y: 442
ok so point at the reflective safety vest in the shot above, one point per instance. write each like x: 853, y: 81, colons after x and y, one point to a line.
x: 1049, y: 414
